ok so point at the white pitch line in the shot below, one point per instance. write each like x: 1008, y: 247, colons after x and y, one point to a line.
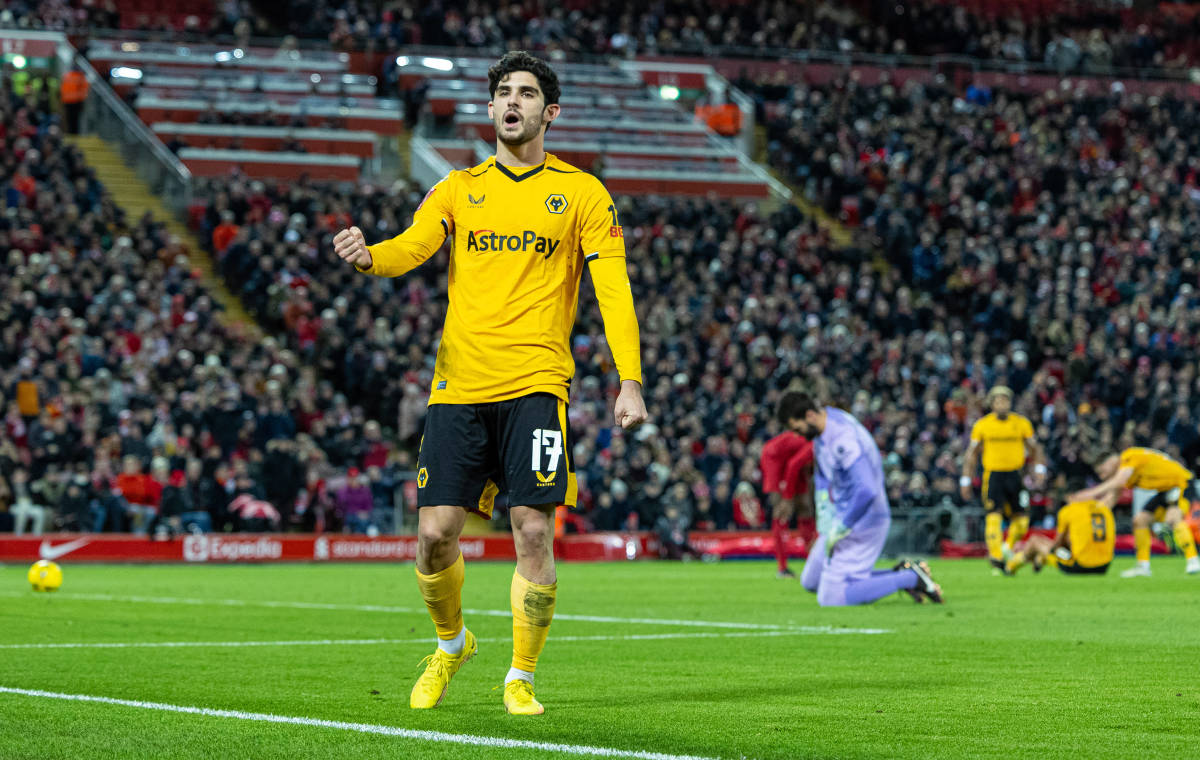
x: 416, y: 610
x: 801, y: 631
x: 363, y: 728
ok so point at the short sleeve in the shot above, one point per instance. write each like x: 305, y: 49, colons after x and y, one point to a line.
x: 1026, y: 428
x: 1129, y: 459
x: 1063, y: 515
x: 977, y: 431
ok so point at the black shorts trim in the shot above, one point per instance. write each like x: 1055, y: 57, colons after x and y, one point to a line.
x: 1005, y: 492
x: 1080, y: 570
x: 521, y: 447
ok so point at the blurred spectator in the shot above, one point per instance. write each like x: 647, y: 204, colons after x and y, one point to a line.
x: 355, y: 502
x: 26, y: 515
x: 671, y: 528
x: 747, y: 507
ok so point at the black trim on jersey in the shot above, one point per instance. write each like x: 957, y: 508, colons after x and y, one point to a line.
x: 480, y: 174
x: 445, y: 227
x: 515, y: 177
x: 562, y: 171
x: 592, y: 256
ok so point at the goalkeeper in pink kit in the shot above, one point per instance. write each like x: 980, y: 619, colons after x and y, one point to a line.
x: 853, y: 515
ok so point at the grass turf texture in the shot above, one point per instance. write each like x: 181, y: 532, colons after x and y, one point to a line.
x: 1025, y: 667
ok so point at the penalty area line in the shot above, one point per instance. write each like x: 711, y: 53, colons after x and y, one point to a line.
x: 807, y: 631
x: 437, y: 737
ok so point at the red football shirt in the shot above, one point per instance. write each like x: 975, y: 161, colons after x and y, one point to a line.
x: 785, y: 464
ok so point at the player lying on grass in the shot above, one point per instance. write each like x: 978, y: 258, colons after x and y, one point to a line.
x: 853, y: 514
x: 1161, y: 489
x: 1083, y: 544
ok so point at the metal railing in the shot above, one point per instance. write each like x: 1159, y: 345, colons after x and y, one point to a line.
x: 106, y: 115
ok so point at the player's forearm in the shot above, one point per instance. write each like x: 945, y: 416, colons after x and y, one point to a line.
x: 968, y: 465
x: 403, y: 253
x: 1096, y: 492
x: 611, y: 282
x: 1037, y: 457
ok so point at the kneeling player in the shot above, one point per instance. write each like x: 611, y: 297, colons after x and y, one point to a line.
x: 1084, y: 544
x: 840, y: 567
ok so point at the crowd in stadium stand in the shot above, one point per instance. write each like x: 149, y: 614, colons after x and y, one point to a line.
x: 997, y: 256
x: 127, y: 403
x: 733, y: 306
x: 1053, y: 237
x: 1076, y: 39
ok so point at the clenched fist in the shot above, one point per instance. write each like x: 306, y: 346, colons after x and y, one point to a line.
x: 630, y: 409
x: 350, y: 245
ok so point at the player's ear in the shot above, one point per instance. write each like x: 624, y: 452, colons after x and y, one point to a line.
x: 491, y: 110
x: 551, y: 112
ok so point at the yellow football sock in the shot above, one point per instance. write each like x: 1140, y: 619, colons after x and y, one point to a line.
x: 532, y: 609
x: 1184, y: 539
x: 442, y: 592
x: 993, y: 534
x: 1141, y: 544
x: 1016, y: 563
x: 1017, y: 530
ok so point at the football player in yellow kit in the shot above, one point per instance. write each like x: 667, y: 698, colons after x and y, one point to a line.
x: 523, y: 226
x: 1008, y: 444
x: 1083, y: 545
x: 1161, y: 490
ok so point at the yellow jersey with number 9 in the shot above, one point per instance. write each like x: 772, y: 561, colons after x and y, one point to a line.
x: 1089, y: 524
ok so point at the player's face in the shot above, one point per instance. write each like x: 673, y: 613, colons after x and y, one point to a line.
x: 803, y: 427
x: 518, y: 109
x: 1001, y: 405
x: 1108, y: 467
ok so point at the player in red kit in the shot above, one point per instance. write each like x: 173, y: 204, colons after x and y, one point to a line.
x: 786, y: 465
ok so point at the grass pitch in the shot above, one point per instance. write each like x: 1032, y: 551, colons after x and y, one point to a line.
x: 713, y: 661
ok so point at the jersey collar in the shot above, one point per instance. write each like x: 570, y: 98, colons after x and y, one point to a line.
x: 522, y: 177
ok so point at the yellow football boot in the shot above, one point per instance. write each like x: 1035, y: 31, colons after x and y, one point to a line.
x: 440, y: 667
x: 519, y: 700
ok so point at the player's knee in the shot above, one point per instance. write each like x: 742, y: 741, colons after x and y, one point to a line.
x: 810, y: 580
x: 1142, y: 520
x: 831, y: 595
x: 1174, y: 516
x: 533, y: 537
x: 433, y: 535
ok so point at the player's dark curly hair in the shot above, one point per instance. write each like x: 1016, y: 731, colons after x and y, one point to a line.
x: 519, y: 60
x: 793, y: 406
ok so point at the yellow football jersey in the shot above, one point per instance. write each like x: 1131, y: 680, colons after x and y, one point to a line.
x: 1154, y: 470
x: 520, y: 240
x: 1090, y: 527
x: 1003, y: 441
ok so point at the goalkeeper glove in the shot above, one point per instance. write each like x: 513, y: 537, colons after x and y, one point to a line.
x: 836, y: 534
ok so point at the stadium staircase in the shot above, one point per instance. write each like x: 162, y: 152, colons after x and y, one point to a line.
x: 133, y: 195
x: 841, y: 235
